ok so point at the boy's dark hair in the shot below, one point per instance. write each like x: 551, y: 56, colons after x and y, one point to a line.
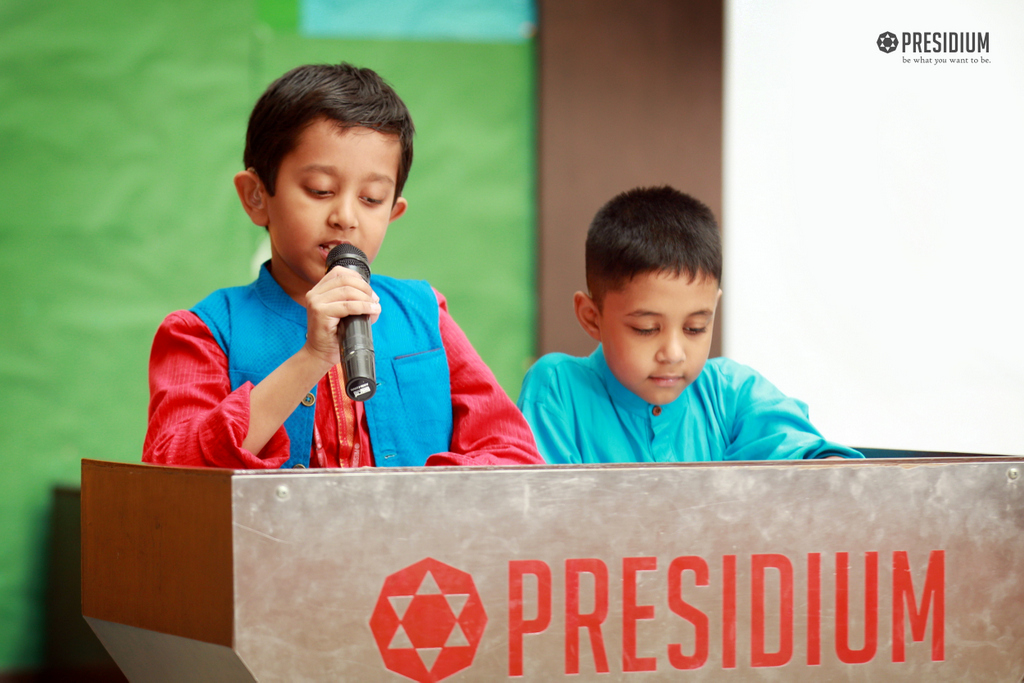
x: 651, y: 229
x: 343, y: 93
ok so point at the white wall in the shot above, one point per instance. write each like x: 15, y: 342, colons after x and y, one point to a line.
x: 872, y: 219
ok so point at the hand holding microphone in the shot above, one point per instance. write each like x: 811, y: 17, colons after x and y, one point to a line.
x: 354, y: 336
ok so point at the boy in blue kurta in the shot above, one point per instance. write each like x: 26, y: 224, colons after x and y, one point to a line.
x: 649, y: 393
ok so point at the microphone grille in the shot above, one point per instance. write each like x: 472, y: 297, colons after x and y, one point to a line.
x: 349, y: 256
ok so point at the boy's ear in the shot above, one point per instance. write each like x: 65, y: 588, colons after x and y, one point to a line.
x: 253, y: 196
x: 588, y: 314
x: 398, y: 210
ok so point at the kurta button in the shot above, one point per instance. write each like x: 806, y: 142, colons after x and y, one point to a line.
x: 656, y: 410
x: 298, y: 466
x: 309, y: 400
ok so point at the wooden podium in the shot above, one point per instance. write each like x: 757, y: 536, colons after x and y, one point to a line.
x: 876, y: 570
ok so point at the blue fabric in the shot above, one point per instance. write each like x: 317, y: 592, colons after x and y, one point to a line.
x: 259, y: 326
x: 482, y: 21
x: 580, y: 413
x: 410, y: 416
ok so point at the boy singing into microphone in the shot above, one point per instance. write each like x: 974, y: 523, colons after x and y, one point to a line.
x: 249, y: 377
x: 649, y: 393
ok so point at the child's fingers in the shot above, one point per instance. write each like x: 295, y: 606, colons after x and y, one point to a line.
x: 339, y: 276
x: 343, y: 309
x: 341, y: 284
x: 374, y: 316
x: 339, y: 294
x: 324, y: 311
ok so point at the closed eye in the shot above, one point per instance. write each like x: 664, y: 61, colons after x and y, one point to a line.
x: 695, y: 330
x: 644, y: 331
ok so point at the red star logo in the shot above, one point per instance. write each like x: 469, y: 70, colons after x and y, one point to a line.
x: 428, y: 621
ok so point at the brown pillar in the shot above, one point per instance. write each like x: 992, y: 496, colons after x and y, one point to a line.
x: 630, y: 94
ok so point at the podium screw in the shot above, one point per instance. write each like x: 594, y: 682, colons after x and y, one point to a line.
x: 282, y: 493
x: 1013, y: 473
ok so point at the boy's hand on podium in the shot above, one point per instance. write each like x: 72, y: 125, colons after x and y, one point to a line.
x: 340, y: 293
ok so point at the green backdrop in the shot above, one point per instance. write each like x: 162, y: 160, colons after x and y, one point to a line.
x: 121, y: 125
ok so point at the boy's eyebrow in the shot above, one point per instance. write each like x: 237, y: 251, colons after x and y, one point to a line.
x: 642, y: 313
x: 332, y: 171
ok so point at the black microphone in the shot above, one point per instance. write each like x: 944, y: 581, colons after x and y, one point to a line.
x: 354, y: 335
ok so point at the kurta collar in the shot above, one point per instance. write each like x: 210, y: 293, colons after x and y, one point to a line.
x: 276, y: 299
x: 624, y: 398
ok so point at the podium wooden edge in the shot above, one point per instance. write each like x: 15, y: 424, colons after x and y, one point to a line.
x: 157, y: 549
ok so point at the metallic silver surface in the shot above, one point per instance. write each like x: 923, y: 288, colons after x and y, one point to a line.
x: 310, y: 566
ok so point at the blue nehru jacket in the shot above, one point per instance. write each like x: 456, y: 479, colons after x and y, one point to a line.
x: 259, y: 326
x: 580, y: 413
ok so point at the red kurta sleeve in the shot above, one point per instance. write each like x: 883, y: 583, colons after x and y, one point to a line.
x: 194, y: 417
x: 487, y: 427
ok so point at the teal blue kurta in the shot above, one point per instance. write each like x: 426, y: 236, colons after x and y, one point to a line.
x: 580, y: 413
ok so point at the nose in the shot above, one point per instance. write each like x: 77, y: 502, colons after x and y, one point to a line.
x: 343, y: 214
x: 671, y: 352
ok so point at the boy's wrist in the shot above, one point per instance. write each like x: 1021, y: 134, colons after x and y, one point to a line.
x: 318, y: 362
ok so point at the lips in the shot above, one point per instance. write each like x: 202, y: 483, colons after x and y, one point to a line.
x: 326, y: 247
x: 667, y: 381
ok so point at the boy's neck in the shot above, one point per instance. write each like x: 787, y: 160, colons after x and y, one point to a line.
x: 294, y: 288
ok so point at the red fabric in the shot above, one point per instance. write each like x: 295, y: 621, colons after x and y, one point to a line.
x: 196, y: 420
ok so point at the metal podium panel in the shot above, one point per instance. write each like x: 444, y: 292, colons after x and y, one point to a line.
x: 840, y: 571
